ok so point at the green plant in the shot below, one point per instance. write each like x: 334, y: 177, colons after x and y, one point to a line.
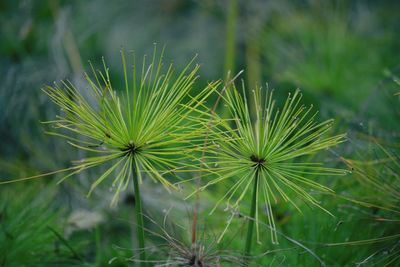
x: 29, y: 228
x: 230, y: 40
x: 265, y: 152
x: 315, y: 45
x: 148, y: 130
x: 377, y: 175
x: 343, y: 54
x: 177, y: 248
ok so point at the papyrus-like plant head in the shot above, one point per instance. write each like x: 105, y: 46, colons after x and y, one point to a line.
x: 147, y: 124
x: 265, y: 154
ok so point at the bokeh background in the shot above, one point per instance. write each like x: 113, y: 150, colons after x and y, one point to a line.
x: 344, y: 55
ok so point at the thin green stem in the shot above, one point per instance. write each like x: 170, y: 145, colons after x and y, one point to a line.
x: 97, y: 236
x: 139, y: 216
x: 253, y: 208
x: 230, y: 42
x: 253, y: 59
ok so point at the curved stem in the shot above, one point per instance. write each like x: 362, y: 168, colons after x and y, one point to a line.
x: 139, y: 216
x: 253, y: 208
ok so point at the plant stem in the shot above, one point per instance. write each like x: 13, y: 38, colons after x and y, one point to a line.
x: 202, y: 162
x: 97, y: 237
x: 253, y: 58
x: 251, y: 219
x: 139, y: 216
x: 230, y: 41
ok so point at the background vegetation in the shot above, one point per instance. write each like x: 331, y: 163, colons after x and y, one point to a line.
x: 344, y: 55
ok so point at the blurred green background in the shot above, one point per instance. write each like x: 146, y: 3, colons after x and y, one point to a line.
x: 343, y: 55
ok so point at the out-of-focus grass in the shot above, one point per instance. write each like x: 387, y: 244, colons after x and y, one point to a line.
x: 337, y: 51
x: 28, y: 228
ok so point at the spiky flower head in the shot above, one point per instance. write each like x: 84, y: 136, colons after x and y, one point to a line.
x: 176, y: 249
x: 267, y: 151
x: 146, y: 125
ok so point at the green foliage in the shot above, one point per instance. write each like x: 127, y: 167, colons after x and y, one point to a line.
x: 342, y: 54
x: 325, y: 49
x: 264, y: 151
x: 148, y: 127
x: 28, y: 227
x: 175, y: 249
x: 380, y: 194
